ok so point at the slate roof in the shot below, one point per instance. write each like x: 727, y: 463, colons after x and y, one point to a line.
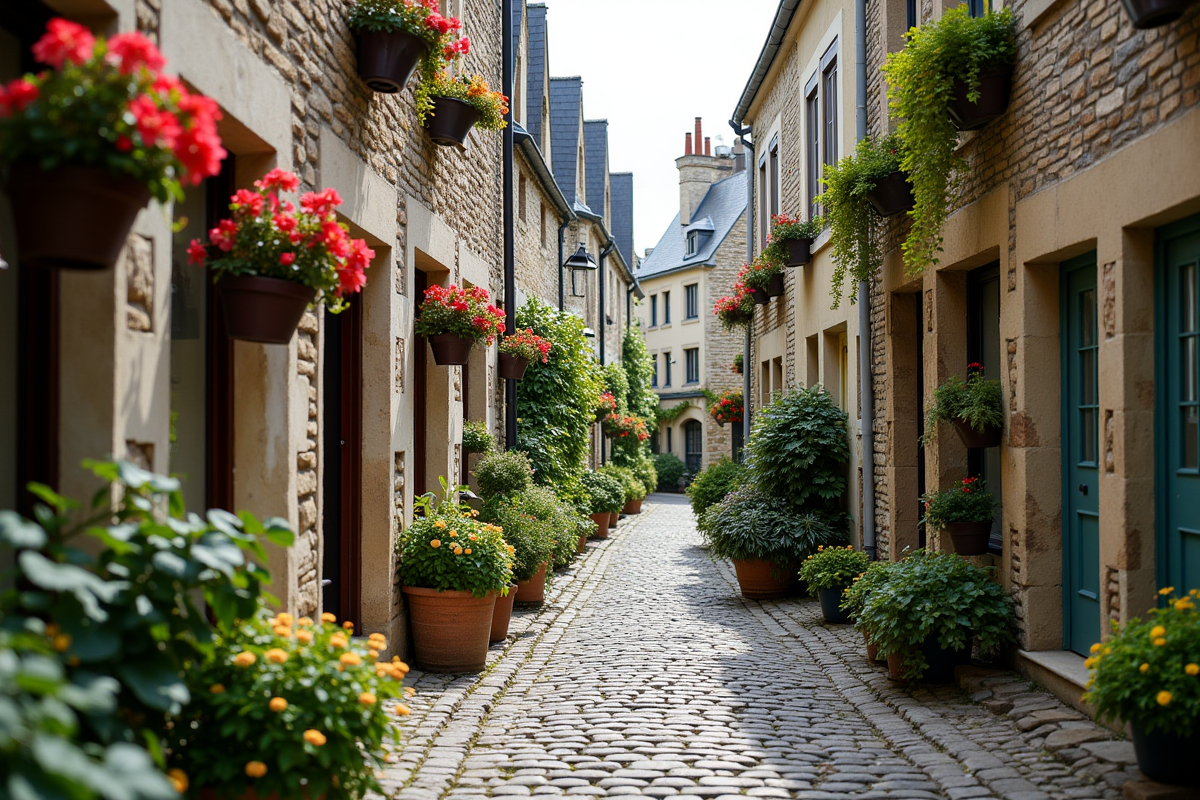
x: 595, y: 159
x: 721, y: 207
x: 621, y: 200
x: 566, y: 110
x: 516, y: 30
x: 535, y: 70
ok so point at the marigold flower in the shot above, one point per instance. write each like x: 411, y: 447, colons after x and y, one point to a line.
x: 327, y: 617
x: 1159, y: 642
x: 458, y: 551
x: 348, y: 625
x: 373, y: 655
x: 1144, y: 668
x: 1184, y: 604
x: 282, y: 630
x: 179, y: 779
x: 403, y: 710
x: 276, y: 656
x: 350, y: 659
x: 1192, y: 669
x: 61, y: 642
x: 439, y: 524
x: 338, y: 640
x: 1095, y: 648
x: 436, y: 543
x: 1163, y: 698
x: 467, y: 550
x: 366, y: 699
x: 256, y: 769
x: 304, y: 637
x: 277, y: 704
x: 244, y: 658
x: 1157, y: 632
x: 1089, y: 663
x: 217, y: 688
x: 1166, y: 590
x: 453, y: 534
x: 304, y: 622
x: 314, y: 737
x: 377, y: 637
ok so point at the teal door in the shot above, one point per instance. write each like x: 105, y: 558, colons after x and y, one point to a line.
x: 1177, y: 422
x: 1080, y: 442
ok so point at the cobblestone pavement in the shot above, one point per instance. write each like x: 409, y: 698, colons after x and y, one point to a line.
x: 646, y: 673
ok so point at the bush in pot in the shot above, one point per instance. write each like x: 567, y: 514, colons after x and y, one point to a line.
x: 565, y: 524
x: 455, y: 319
x: 964, y: 512
x: 519, y: 349
x: 608, y: 496
x: 1147, y: 675
x: 646, y: 473
x: 633, y: 488
x: 974, y: 406
x: 791, y: 239
x: 395, y: 37
x: 503, y: 473
x: 90, y: 140
x: 476, y: 438
x: 830, y: 571
x: 713, y: 483
x: 530, y: 532
x: 854, y: 599
x: 736, y: 310
x: 669, y: 469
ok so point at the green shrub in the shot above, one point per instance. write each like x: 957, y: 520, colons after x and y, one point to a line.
x: 607, y: 493
x: 749, y: 524
x: 975, y: 401
x: 646, y: 473
x: 798, y: 451
x: 476, y: 438
x: 561, y: 521
x: 967, y: 502
x: 433, y: 551
x: 833, y: 567
x: 630, y: 483
x: 529, y: 534
x: 501, y: 474
x: 641, y: 399
x: 669, y: 470
x: 712, y: 483
x: 855, y: 597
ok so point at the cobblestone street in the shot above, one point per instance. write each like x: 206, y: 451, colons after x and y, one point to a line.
x: 646, y: 673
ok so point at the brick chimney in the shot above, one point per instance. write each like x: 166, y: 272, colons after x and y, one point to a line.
x: 698, y: 169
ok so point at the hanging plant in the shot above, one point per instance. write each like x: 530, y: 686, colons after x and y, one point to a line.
x: 791, y: 239
x: 853, y: 226
x: 395, y: 37
x: 736, y: 310
x: 726, y: 407
x: 921, y: 91
x: 759, y: 272
x: 974, y: 404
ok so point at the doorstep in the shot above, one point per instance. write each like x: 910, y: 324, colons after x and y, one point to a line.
x: 1061, y: 672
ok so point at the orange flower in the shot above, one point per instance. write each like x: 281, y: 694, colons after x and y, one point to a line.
x: 282, y: 630
x: 350, y: 659
x: 366, y: 699
x: 467, y: 550
x: 304, y: 622
x: 283, y: 619
x: 179, y: 779
x: 327, y: 617
x: 217, y: 688
x: 314, y: 737
x: 436, y: 543
x: 277, y: 704
x: 256, y: 769
x: 338, y: 640
x: 276, y: 656
x: 245, y: 658
x: 403, y: 710
x: 348, y: 625
x: 304, y: 637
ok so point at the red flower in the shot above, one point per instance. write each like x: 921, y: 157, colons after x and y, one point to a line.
x: 157, y: 127
x: 131, y: 51
x: 64, y: 42
x: 438, y: 22
x: 322, y: 203
x: 360, y: 255
x: 287, y: 259
x: 350, y: 280
x: 200, y: 152
x: 224, y: 234
x: 196, y: 252
x: 248, y: 201
x: 278, y: 179
x: 286, y: 223
x: 124, y: 144
x: 17, y: 96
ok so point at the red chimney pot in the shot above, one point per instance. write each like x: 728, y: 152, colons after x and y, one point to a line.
x: 699, y: 136
x: 687, y: 144
x: 707, y: 146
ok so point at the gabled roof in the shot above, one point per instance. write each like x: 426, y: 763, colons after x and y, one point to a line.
x: 766, y: 58
x: 533, y: 156
x: 566, y: 112
x: 621, y: 200
x: 595, y: 149
x: 722, y: 206
x: 535, y: 71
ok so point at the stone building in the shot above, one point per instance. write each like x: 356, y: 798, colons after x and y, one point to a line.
x: 694, y: 263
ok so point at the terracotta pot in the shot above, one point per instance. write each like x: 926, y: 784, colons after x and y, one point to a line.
x: 512, y: 367
x: 1167, y: 758
x: 450, y: 349
x: 502, y: 615
x: 761, y: 298
x: 995, y: 88
x: 830, y: 606
x: 450, y: 121
x: 892, y: 195
x: 259, y: 309
x: 763, y: 580
x: 613, y: 518
x: 601, y: 520
x: 387, y: 59
x: 534, y: 589
x: 450, y: 629
x: 990, y: 436
x: 799, y: 252
x: 582, y: 546
x: 1153, y: 13
x: 775, y: 287
x: 72, y: 217
x: 872, y: 649
x: 632, y: 507
x: 940, y: 662
x: 970, y: 538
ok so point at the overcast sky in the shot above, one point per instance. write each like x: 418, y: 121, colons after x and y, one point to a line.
x: 650, y: 67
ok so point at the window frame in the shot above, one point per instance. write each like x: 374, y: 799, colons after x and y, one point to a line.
x: 691, y: 301
x: 822, y: 123
x: 691, y: 356
x: 666, y: 296
x: 667, y: 369
x: 653, y: 311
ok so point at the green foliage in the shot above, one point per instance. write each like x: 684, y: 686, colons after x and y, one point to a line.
x: 1147, y: 674
x: 631, y: 484
x: 531, y: 536
x: 556, y: 401
x: 975, y: 401
x: 853, y: 225
x: 606, y: 491
x: 920, y: 87
x: 640, y: 399
x: 433, y: 551
x: 712, y: 483
x: 563, y: 523
x: 324, y: 735
x: 969, y: 501
x: 936, y: 594
x: 617, y: 384
x: 798, y: 450
x: 503, y: 473
x: 476, y: 438
x: 854, y: 599
x: 669, y: 470
x: 749, y: 524
x: 833, y: 567
x: 663, y: 416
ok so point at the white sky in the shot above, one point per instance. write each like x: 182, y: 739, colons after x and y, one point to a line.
x: 650, y: 67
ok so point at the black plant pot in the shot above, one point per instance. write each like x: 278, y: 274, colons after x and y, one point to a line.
x: 512, y: 366
x: 830, y: 599
x: 265, y: 310
x: 969, y: 538
x: 450, y: 121
x: 941, y: 661
x: 1153, y: 13
x: 1167, y: 758
x: 775, y: 287
x: 387, y: 59
x: 990, y: 436
x: 995, y: 88
x: 450, y: 350
x: 761, y: 298
x: 799, y: 252
x: 892, y: 195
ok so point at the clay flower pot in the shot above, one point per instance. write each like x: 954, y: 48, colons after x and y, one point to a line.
x: 940, y: 662
x: 512, y: 367
x: 259, y: 309
x: 632, y: 507
x: 387, y: 59
x: 990, y: 436
x: 830, y: 602
x: 534, y: 589
x: 450, y: 349
x: 613, y: 518
x: 581, y: 548
x: 601, y: 520
x: 799, y: 252
x: 72, y: 217
x: 1167, y: 758
x: 763, y: 580
x: 995, y: 88
x: 775, y: 287
x: 892, y: 195
x: 761, y: 298
x: 502, y: 615
x: 970, y: 538
x: 1153, y: 13
x: 450, y: 121
x: 450, y: 629
x: 872, y: 649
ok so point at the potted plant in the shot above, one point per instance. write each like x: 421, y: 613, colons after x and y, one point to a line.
x: 869, y: 179
x: 451, y: 569
x: 928, y: 608
x: 726, y: 407
x: 621, y: 426
x: 457, y: 104
x: 1147, y: 675
x: 736, y: 310
x: 965, y: 512
x: 607, y: 496
x: 791, y: 239
x: 531, y: 537
x: 90, y: 140
x: 1146, y: 14
x: 766, y: 539
x: 395, y: 36
x: 954, y: 74
x: 973, y: 406
x: 635, y: 489
x: 830, y: 571
x: 476, y: 438
x: 518, y: 349
x: 763, y: 277
x: 606, y: 406
x: 455, y: 319
x: 288, y: 708
x: 272, y: 261
x: 854, y: 599
x: 712, y: 483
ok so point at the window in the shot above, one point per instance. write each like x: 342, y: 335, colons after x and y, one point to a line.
x: 670, y: 444
x: 774, y: 208
x: 654, y: 375
x: 521, y: 197
x: 542, y: 211
x: 977, y: 8
x: 763, y: 217
x: 692, y: 363
x: 812, y: 144
x: 653, y: 311
x: 768, y: 192
x: 984, y: 347
x: 821, y: 122
x: 911, y: 14
x: 667, y: 370
x: 666, y: 308
x: 691, y: 300
x: 692, y: 238
x: 693, y: 442
x: 829, y: 103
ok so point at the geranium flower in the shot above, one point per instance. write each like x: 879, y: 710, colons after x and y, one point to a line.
x: 278, y: 179
x: 131, y: 51
x: 64, y: 42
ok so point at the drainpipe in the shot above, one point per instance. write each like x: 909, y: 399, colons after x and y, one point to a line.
x: 866, y: 385
x: 562, y: 290
x: 603, y: 323
x: 629, y: 305
x: 742, y: 133
x: 510, y: 272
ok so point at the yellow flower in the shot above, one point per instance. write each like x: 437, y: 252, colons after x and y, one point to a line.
x: 217, y: 688
x: 179, y: 779
x: 350, y: 659
x: 474, y: 513
x: 1096, y: 647
x: 458, y: 551
x: 245, y: 659
x: 282, y: 630
x: 61, y: 642
x: 276, y: 656
x: 283, y: 619
x: 467, y: 550
x: 377, y: 640
x: 439, y: 524
x: 1163, y: 698
x: 1144, y: 668
x: 453, y: 534
x: 1184, y: 604
x: 304, y: 637
x: 277, y: 704
x: 403, y: 710
x: 1192, y: 669
x: 1166, y: 590
x: 373, y: 655
x: 1088, y: 663
x: 348, y: 625
x: 338, y: 640
x: 366, y: 699
x: 256, y: 769
x: 305, y: 622
x: 1157, y: 632
x: 314, y: 737
x: 1159, y: 642
x: 436, y: 543
x: 327, y: 617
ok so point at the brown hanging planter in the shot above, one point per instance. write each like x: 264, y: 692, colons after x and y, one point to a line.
x: 990, y: 436
x: 799, y: 252
x: 1154, y: 13
x: 969, y: 538
x: 761, y: 298
x: 450, y: 121
x: 775, y: 287
x: 764, y: 580
x: 892, y: 195
x: 387, y: 59
x: 259, y: 309
x: 72, y: 217
x: 502, y: 615
x: 534, y: 589
x: 450, y: 349
x: 512, y: 367
x: 450, y: 629
x: 995, y: 88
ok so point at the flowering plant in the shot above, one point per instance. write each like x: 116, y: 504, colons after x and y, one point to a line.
x: 476, y: 438
x: 104, y: 103
x: 473, y: 90
x: 854, y: 598
x: 833, y: 567
x: 460, y: 311
x: 607, y: 405
x: 977, y: 402
x: 969, y: 501
x: 623, y: 425
x: 1148, y: 672
x: 736, y: 310
x: 282, y: 707
x: 528, y: 345
x: 786, y: 229
x: 267, y: 237
x: 726, y: 407
x: 758, y: 273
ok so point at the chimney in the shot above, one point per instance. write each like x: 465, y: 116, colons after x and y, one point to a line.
x: 699, y: 136
x: 739, y: 157
x: 698, y: 169
x: 707, y: 146
x: 687, y: 144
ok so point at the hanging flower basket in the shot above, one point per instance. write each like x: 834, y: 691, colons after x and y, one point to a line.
x: 265, y: 310
x: 450, y: 121
x: 969, y: 538
x: 760, y: 297
x: 519, y: 349
x: 995, y: 88
x: 737, y: 310
x: 799, y: 252
x: 727, y: 407
x: 990, y: 436
x: 394, y: 38
x: 892, y: 195
x: 790, y: 242
x: 1154, y: 13
x: 387, y: 59
x: 454, y: 318
x: 775, y: 287
x: 512, y: 367
x: 965, y: 513
x: 451, y: 350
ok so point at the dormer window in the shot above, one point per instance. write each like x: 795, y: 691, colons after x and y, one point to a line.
x: 693, y: 242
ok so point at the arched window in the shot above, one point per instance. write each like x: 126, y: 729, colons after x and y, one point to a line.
x: 693, y: 438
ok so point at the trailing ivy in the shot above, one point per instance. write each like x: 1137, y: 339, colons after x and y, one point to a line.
x: 639, y: 371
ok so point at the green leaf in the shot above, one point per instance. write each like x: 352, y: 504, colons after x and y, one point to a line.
x: 19, y: 533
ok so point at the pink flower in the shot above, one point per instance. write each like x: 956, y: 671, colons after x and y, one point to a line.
x: 64, y: 42
x: 286, y: 223
x: 287, y: 259
x: 360, y: 255
x: 17, y: 96
x: 196, y: 252
x: 350, y: 280
x: 278, y: 179
x: 132, y: 51
x: 334, y: 237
